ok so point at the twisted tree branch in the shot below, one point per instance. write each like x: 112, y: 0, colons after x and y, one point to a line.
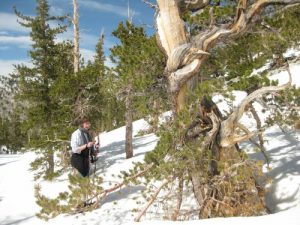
x: 228, y: 126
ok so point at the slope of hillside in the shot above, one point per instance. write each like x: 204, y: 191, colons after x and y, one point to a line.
x: 17, y: 203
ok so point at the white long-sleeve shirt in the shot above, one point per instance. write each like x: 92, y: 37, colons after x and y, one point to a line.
x: 76, y: 141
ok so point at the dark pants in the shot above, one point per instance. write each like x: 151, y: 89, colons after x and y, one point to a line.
x: 81, y: 163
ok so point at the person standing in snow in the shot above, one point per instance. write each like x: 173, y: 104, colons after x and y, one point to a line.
x: 82, y: 147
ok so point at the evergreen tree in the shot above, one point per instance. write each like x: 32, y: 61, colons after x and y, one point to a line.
x: 111, y: 108
x: 35, y: 85
x: 138, y: 68
x: 11, y: 116
x: 99, y: 86
x: 4, y: 125
x: 5, y: 110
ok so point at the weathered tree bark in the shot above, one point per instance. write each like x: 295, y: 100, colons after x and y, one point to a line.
x: 185, y: 56
x: 76, y: 36
x: 128, y: 118
x: 183, y: 62
x: 207, y: 125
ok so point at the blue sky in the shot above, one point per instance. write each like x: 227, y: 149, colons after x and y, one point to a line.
x: 95, y: 16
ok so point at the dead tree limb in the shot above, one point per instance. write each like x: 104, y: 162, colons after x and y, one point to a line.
x: 101, y: 195
x: 227, y: 136
x: 179, y: 199
x: 260, y: 136
x: 263, y: 151
x: 76, y: 37
x: 149, y: 203
x: 150, y: 4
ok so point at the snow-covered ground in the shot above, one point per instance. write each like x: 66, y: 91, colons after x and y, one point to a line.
x: 17, y: 202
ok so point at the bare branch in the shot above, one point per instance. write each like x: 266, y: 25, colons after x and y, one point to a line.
x: 76, y: 37
x: 243, y: 19
x: 237, y: 139
x: 150, y: 4
x: 228, y: 125
x: 104, y: 193
x: 245, y: 129
x: 149, y: 203
x: 57, y: 141
x: 264, y: 90
x: 179, y: 199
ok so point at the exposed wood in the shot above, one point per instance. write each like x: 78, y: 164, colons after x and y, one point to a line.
x: 150, y: 4
x: 211, y: 142
x: 170, y: 26
x: 212, y: 134
x: 185, y: 56
x: 150, y: 202
x: 196, y: 178
x: 244, y: 18
x: 228, y: 126
x: 212, y: 20
x: 76, y: 36
x: 208, y: 125
x: 179, y: 194
x: 104, y: 193
x: 245, y: 129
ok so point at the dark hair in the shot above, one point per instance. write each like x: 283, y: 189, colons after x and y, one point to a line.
x: 82, y: 120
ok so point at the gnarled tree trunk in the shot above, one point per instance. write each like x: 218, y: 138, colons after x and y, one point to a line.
x: 185, y: 56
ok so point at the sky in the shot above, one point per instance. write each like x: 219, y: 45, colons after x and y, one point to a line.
x: 95, y: 16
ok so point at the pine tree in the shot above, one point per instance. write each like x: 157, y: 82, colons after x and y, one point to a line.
x: 12, y: 135
x: 98, y: 86
x: 111, y: 108
x: 35, y: 84
x: 4, y: 136
x: 138, y: 67
x: 88, y: 88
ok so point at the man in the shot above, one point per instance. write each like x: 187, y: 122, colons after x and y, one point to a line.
x: 82, y: 147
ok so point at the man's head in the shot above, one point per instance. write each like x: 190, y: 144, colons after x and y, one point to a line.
x: 84, y: 122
